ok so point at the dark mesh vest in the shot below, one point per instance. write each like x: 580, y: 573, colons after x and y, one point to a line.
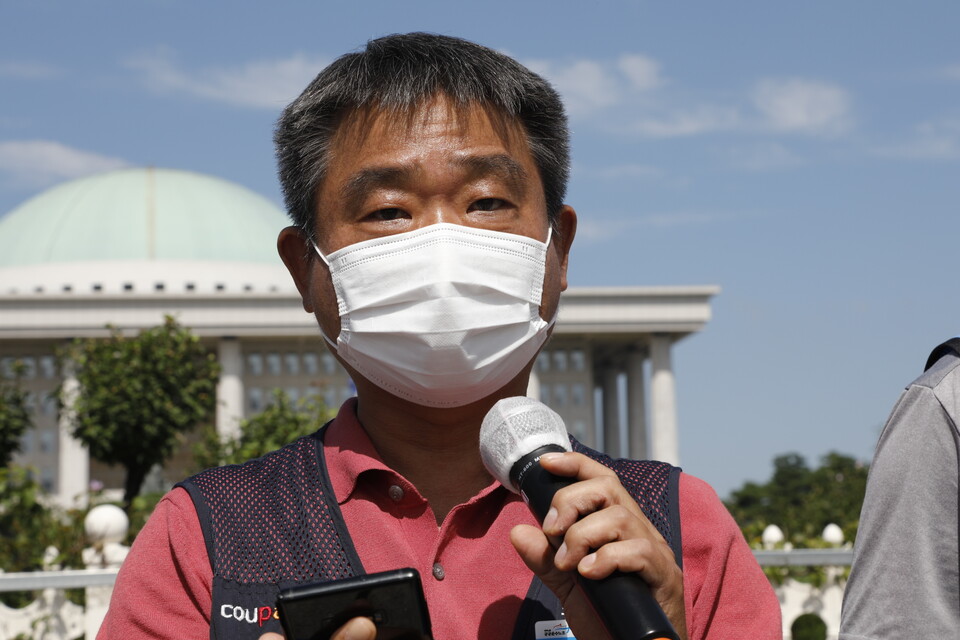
x: 274, y: 522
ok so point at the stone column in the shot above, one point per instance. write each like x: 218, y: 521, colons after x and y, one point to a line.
x: 637, y: 405
x: 663, y: 414
x: 611, y: 413
x: 229, y: 388
x: 73, y: 459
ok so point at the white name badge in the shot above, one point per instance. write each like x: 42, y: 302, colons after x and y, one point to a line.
x: 552, y: 629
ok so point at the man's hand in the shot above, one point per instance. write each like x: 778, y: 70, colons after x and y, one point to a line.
x: 595, y: 527
x: 355, y: 629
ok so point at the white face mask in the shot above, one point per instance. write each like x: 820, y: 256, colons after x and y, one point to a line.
x: 442, y: 316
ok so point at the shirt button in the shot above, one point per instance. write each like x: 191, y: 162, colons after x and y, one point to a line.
x: 438, y: 571
x: 395, y: 492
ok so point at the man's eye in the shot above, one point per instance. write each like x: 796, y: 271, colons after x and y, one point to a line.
x: 387, y: 214
x: 488, y: 204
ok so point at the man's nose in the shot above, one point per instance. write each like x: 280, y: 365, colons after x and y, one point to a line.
x: 438, y: 212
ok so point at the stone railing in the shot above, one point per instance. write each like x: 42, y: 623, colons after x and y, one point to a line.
x: 797, y: 598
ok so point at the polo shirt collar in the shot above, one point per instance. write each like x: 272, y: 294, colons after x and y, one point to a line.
x: 350, y: 455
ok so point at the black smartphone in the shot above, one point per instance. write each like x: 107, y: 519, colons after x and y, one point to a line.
x: 392, y: 599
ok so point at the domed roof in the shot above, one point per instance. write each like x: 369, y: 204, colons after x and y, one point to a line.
x: 142, y: 214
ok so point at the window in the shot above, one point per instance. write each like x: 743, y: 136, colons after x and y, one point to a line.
x: 293, y: 394
x: 48, y: 441
x: 545, y: 394
x: 49, y: 405
x: 29, y: 367
x: 311, y: 364
x: 578, y: 394
x: 560, y: 360
x: 255, y: 399
x: 560, y: 395
x: 273, y: 363
x: 46, y: 479
x: 578, y: 360
x: 579, y: 429
x: 26, y: 441
x: 543, y: 361
x: 48, y: 367
x: 329, y: 363
x: 291, y: 361
x: 254, y: 364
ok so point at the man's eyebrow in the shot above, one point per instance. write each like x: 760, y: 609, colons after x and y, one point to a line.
x: 499, y: 165
x: 366, y: 180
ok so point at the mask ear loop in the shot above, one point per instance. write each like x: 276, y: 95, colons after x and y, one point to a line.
x: 332, y: 343
x: 552, y: 321
x: 320, y: 253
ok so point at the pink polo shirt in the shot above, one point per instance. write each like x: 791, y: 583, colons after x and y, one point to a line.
x: 472, y: 576
x: 473, y: 579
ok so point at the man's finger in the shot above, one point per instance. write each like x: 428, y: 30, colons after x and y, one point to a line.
x: 356, y: 629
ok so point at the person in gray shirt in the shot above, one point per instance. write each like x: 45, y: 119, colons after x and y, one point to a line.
x: 905, y: 578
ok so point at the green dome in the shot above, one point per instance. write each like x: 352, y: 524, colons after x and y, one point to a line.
x: 142, y: 214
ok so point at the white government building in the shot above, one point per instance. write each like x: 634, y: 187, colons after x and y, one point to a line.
x: 128, y: 247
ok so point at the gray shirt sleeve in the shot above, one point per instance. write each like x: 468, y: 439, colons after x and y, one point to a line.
x: 905, y: 578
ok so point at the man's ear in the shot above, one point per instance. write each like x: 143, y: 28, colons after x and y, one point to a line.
x: 298, y: 255
x: 567, y: 222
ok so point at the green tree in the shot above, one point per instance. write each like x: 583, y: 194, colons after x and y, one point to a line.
x: 25, y: 522
x: 137, y: 395
x: 802, y: 501
x: 15, y: 417
x: 808, y: 626
x: 279, y: 424
x: 28, y: 527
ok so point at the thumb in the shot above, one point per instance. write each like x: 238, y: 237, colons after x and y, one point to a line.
x: 356, y: 629
x: 534, y: 549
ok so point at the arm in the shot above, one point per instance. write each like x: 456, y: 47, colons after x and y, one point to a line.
x: 163, y: 589
x: 904, y: 581
x: 727, y: 595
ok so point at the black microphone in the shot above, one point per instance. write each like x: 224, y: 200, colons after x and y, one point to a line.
x: 515, y: 433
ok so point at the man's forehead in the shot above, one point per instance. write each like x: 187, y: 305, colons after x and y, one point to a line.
x: 358, y: 124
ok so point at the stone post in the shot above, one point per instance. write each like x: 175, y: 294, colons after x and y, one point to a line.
x: 106, y: 527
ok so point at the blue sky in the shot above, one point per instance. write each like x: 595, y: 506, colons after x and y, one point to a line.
x: 802, y: 156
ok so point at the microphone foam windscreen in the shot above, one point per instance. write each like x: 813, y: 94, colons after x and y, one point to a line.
x: 515, y: 427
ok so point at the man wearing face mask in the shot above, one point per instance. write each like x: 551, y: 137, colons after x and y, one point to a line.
x: 425, y: 176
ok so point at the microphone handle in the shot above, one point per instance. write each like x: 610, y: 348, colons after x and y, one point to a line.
x: 622, y: 601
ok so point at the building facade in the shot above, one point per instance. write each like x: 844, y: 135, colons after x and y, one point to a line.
x: 128, y: 247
